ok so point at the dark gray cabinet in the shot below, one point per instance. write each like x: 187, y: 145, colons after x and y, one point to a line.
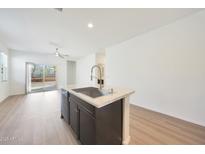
x: 87, y: 127
x: 96, y: 125
x: 109, y: 124
x: 74, y: 117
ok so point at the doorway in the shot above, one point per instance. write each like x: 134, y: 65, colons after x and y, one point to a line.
x: 40, y: 77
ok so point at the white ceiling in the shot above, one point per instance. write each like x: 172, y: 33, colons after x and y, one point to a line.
x: 32, y: 30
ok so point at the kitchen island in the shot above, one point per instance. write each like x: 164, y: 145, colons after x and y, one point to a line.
x: 96, y: 117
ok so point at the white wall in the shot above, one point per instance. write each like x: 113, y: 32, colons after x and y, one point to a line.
x: 83, y: 68
x: 166, y: 68
x: 17, y: 63
x: 71, y: 72
x: 4, y: 86
x: 100, y: 60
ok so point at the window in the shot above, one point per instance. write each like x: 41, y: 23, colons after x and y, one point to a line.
x: 3, y: 67
x: 50, y: 73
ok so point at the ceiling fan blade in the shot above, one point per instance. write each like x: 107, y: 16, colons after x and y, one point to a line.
x: 61, y: 56
x: 64, y: 55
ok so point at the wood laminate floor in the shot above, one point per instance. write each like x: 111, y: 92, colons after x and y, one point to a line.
x: 35, y: 119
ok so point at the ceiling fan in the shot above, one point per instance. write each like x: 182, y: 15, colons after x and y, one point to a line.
x: 58, y: 54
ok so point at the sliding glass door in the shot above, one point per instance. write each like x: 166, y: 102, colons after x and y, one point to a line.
x: 42, y: 78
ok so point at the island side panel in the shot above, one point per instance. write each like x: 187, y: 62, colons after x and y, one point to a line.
x: 126, y: 121
x: 109, y: 124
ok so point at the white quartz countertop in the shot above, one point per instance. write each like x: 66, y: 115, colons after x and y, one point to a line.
x: 118, y: 93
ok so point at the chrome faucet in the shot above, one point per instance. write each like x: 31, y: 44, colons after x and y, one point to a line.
x: 100, y: 72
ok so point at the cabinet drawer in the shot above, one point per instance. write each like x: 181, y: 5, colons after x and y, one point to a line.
x: 89, y: 108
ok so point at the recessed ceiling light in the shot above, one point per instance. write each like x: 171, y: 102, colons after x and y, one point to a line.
x: 90, y: 25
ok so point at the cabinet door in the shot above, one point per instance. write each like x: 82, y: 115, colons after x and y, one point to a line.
x: 87, y: 127
x: 74, y: 117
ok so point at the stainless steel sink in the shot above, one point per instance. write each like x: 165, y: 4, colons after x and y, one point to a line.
x: 92, y: 91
